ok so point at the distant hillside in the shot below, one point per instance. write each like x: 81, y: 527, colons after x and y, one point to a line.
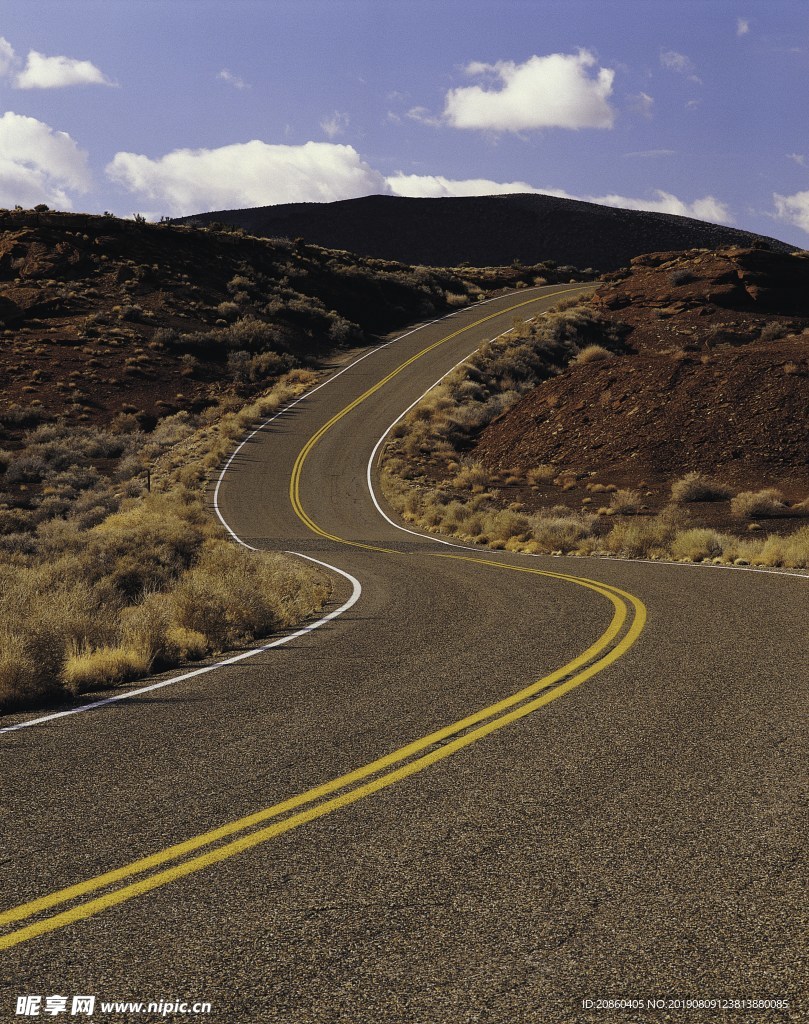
x: 485, y: 230
x: 100, y: 315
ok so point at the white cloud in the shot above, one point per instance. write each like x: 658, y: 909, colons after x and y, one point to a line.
x: 706, y: 208
x: 38, y: 164
x: 247, y: 174
x: 642, y: 104
x: 797, y: 158
x: 793, y: 209
x: 436, y: 186
x: 423, y: 116
x: 335, y: 125
x: 554, y: 91
x: 8, y: 58
x: 671, y: 60
x: 41, y: 72
x: 742, y: 27
x: 227, y: 76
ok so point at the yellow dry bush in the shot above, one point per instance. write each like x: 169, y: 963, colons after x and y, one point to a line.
x: 640, y: 538
x: 542, y: 474
x: 559, y: 533
x: 232, y: 595
x: 89, y: 669
x: 696, y: 487
x: 626, y: 501
x: 22, y: 678
x: 592, y: 354
x: 696, y: 544
x: 471, y: 475
x: 190, y: 645
x: 750, y: 504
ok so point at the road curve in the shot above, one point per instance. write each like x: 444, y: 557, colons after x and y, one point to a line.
x: 489, y: 789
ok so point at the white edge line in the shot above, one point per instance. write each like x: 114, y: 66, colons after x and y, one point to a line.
x: 355, y: 583
x: 469, y: 547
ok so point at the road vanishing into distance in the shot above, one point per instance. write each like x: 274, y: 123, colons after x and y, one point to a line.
x: 489, y: 787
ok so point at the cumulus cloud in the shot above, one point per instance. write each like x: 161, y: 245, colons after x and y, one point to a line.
x: 436, y: 186
x: 227, y: 76
x: 42, y: 72
x: 38, y: 164
x: 335, y: 125
x: 793, y: 209
x: 797, y: 158
x: 742, y: 27
x: 554, y: 91
x: 706, y: 208
x: 247, y: 174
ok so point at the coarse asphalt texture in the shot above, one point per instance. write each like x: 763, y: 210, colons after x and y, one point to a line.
x: 639, y: 835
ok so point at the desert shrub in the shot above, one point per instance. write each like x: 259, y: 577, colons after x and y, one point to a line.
x: 696, y: 544
x: 472, y: 475
x: 559, y: 533
x: 640, y: 538
x: 231, y: 595
x: 592, y: 354
x: 88, y: 668
x: 751, y: 504
x: 542, y: 474
x: 774, y: 330
x: 228, y: 311
x: 164, y: 337
x: 26, y: 467
x: 626, y: 501
x: 678, y: 277
x: 696, y: 487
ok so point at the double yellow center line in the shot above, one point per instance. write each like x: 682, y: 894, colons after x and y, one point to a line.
x: 71, y: 904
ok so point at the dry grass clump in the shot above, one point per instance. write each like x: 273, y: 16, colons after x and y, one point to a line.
x: 541, y: 474
x: 625, y: 501
x: 472, y: 476
x: 751, y: 504
x: 105, y: 666
x: 697, y: 544
x: 103, y: 583
x: 696, y: 487
x: 592, y: 354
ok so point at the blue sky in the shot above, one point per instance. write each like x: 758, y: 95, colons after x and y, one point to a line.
x: 168, y: 107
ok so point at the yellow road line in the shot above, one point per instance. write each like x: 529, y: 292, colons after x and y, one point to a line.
x: 374, y: 785
x: 179, y: 850
x: 416, y: 754
x: 294, y: 482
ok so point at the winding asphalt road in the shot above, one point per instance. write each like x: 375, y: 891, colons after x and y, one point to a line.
x: 489, y: 788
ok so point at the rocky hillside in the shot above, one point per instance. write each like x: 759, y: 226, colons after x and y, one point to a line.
x: 100, y: 316
x: 713, y: 377
x: 484, y: 230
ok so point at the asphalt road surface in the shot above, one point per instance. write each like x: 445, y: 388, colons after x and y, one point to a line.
x: 490, y: 788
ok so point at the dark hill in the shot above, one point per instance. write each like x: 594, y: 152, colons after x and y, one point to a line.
x: 485, y: 230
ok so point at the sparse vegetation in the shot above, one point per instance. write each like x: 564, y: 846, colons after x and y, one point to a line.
x: 696, y: 487
x: 104, y: 582
x: 752, y: 504
x: 429, y: 480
